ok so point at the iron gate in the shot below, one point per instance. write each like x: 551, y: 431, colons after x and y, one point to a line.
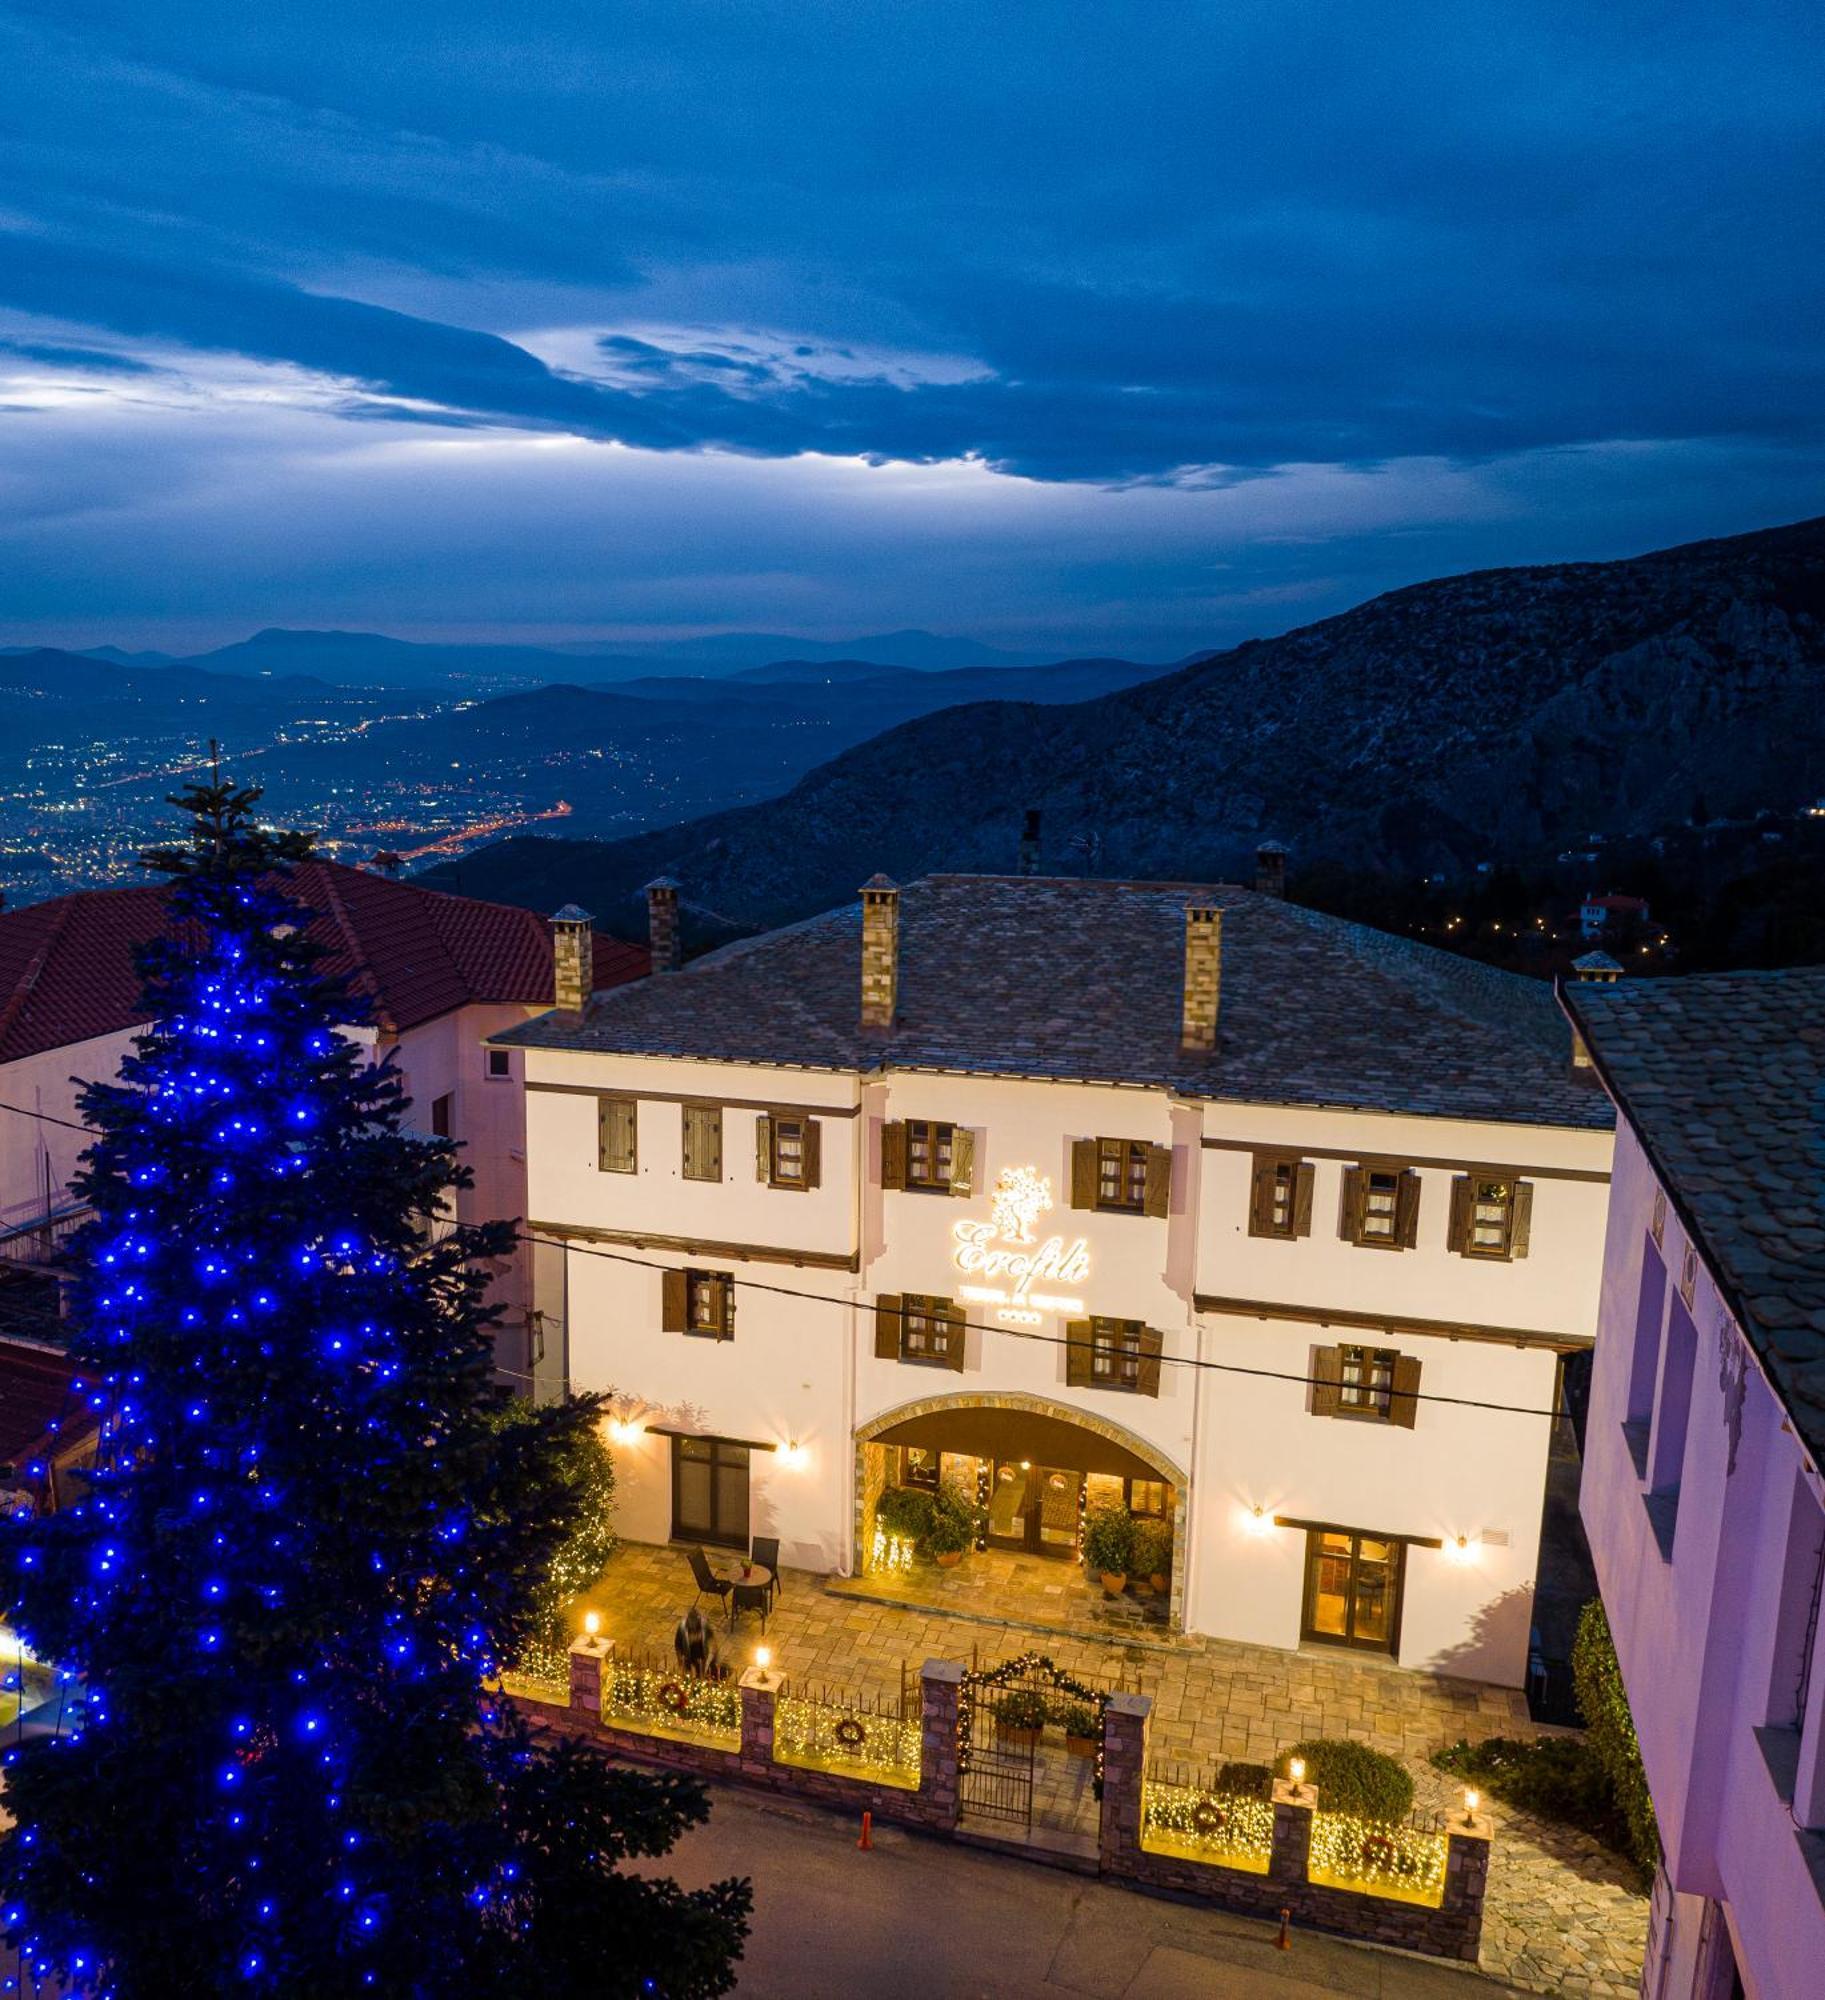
x: 1004, y: 1714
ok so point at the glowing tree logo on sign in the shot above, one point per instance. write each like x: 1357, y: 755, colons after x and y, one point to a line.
x: 1020, y: 1198
x: 1007, y: 1255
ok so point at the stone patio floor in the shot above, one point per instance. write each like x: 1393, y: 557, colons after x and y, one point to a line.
x: 1563, y: 1915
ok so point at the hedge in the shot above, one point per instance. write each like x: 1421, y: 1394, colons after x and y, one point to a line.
x: 1604, y: 1703
x: 1352, y: 1778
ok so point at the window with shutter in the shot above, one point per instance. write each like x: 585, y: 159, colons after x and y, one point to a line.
x: 617, y: 1127
x: 1115, y: 1353
x: 1365, y: 1380
x: 1083, y: 1173
x: 931, y: 1331
x: 788, y: 1150
x: 710, y: 1304
x: 1326, y: 1381
x: 1380, y: 1206
x: 1491, y: 1215
x: 1280, y: 1201
x: 963, y: 1161
x: 703, y: 1142
x: 930, y: 1153
x: 1370, y: 1384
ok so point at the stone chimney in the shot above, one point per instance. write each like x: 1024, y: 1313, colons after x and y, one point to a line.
x: 662, y: 924
x: 573, y: 949
x: 1597, y: 966
x: 1270, y: 868
x: 1203, y: 977
x: 1029, y: 842
x: 880, y: 952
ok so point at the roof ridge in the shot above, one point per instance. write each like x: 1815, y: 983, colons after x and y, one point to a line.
x: 339, y: 915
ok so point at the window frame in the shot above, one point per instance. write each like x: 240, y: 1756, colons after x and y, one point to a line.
x: 1369, y: 1398
x: 1122, y: 1341
x: 941, y: 1146
x: 1515, y: 1205
x: 806, y: 1128
x: 504, y: 1057
x: 1125, y: 1160
x: 718, y: 1287
x: 443, y: 1116
x: 719, y: 1455
x: 1264, y: 1175
x: 1403, y: 1215
x: 935, y: 1318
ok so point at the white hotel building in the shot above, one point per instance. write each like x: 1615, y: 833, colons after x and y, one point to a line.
x: 1072, y: 1191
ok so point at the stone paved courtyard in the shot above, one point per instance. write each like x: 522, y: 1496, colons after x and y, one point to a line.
x: 1562, y: 1915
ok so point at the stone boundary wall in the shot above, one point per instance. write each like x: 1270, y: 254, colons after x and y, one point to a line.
x: 1453, y: 1930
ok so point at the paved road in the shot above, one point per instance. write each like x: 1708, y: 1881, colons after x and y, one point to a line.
x: 932, y: 1921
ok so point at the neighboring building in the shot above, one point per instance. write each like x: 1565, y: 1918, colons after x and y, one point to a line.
x: 441, y: 973
x: 1596, y: 914
x: 955, y: 1184
x: 1702, y: 1495
x: 47, y: 1429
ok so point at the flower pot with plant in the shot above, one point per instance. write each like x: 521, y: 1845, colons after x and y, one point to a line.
x: 1153, y: 1553
x: 1081, y: 1726
x: 949, y: 1535
x: 1109, y: 1547
x: 1020, y: 1717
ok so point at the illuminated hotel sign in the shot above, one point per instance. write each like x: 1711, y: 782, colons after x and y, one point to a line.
x: 1018, y: 1269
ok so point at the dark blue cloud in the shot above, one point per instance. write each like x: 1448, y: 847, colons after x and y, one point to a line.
x: 1090, y: 244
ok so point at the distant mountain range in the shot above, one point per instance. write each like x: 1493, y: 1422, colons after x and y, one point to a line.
x: 370, y: 659
x: 1498, y: 714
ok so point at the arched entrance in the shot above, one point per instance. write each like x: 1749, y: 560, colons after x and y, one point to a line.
x: 1034, y: 1469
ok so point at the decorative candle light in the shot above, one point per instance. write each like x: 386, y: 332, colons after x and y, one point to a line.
x: 763, y: 1657
x: 1296, y: 1771
x: 1472, y: 1799
x: 592, y: 1624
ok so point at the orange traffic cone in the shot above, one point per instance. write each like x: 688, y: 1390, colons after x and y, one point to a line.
x: 1284, y: 1941
x: 866, y: 1843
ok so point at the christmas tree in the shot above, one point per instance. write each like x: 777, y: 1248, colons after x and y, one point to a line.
x: 308, y: 1540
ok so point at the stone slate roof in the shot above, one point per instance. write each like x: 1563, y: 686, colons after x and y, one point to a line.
x: 1723, y: 1077
x: 67, y: 973
x: 1081, y: 980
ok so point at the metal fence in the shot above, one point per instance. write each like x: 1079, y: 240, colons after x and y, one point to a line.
x: 1215, y: 1816
x: 1403, y: 1859
x: 651, y: 1693
x: 822, y: 1728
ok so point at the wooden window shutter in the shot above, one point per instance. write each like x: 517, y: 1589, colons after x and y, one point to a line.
x: 1158, y: 1199
x: 1521, y: 1233
x: 725, y: 1308
x: 1080, y: 1353
x: 1463, y: 1208
x: 674, y: 1314
x: 1403, y: 1405
x: 1354, y: 1185
x: 1305, y: 1176
x: 814, y: 1152
x: 1083, y: 1173
x: 963, y: 1161
x: 616, y: 1132
x: 763, y: 1147
x: 1327, y: 1381
x: 1261, y: 1198
x: 893, y: 1153
x: 1406, y: 1210
x: 953, y: 1348
x: 1147, y: 1374
x: 887, y: 1321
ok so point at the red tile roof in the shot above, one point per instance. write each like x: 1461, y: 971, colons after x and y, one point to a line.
x: 66, y: 966
x: 37, y: 1389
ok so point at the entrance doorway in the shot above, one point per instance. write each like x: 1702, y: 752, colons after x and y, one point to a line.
x: 1034, y: 1508
x: 1352, y: 1590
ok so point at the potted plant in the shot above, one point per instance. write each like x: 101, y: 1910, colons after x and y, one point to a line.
x: 1081, y: 1728
x: 1109, y: 1547
x: 1153, y: 1554
x: 905, y: 1512
x: 1020, y: 1716
x: 949, y: 1535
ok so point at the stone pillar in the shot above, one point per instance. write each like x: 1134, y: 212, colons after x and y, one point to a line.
x: 588, y: 1663
x: 759, y: 1692
x: 573, y: 947
x: 1125, y: 1719
x: 880, y: 952
x: 940, y: 1705
x: 1203, y: 977
x: 1291, y: 1858
x: 1467, y: 1845
x: 662, y: 924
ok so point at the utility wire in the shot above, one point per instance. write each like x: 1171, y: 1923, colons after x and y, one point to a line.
x: 1048, y: 1339
x: 978, y: 1326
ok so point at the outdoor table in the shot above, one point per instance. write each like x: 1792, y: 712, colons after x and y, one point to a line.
x: 751, y: 1596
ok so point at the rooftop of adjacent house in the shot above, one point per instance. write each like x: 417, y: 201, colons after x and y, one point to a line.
x: 1083, y: 980
x: 1722, y: 1075
x: 67, y: 972
x: 39, y: 1388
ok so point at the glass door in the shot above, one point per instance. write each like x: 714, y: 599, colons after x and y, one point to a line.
x: 710, y: 1491
x: 1352, y: 1589
x: 1010, y: 1494
x: 1033, y: 1508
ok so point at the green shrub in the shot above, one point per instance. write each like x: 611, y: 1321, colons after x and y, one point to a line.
x: 1604, y: 1703
x: 1109, y: 1541
x: 1152, y: 1548
x: 1240, y: 1780
x: 1352, y: 1778
x: 1023, y: 1708
x: 1557, y: 1777
x: 905, y: 1511
x: 950, y: 1533
x: 1077, y: 1718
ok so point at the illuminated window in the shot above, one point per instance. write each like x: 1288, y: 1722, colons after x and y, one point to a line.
x: 1115, y: 1353
x: 1121, y: 1174
x: 1491, y: 1215
x: 1151, y: 1498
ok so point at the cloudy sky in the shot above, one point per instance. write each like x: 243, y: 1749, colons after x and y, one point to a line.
x: 1134, y: 327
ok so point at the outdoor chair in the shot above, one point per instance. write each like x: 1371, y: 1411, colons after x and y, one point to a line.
x: 765, y: 1552
x: 708, y: 1582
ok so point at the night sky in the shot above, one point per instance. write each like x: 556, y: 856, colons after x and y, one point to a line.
x: 1069, y: 327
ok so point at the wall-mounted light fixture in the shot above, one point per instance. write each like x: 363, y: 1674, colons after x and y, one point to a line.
x: 793, y: 1455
